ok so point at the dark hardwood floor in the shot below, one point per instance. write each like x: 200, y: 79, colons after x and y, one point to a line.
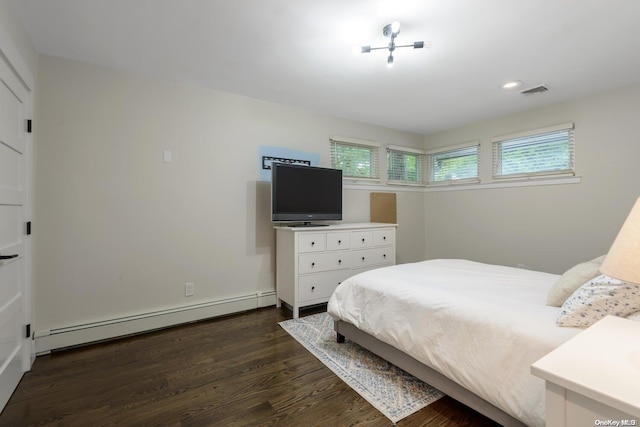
x: 230, y: 371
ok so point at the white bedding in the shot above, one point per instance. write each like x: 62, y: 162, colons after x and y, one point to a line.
x: 480, y: 325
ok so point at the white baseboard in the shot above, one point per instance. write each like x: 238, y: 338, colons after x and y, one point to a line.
x: 45, y: 341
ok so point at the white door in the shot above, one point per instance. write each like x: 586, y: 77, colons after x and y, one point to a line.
x: 15, y: 348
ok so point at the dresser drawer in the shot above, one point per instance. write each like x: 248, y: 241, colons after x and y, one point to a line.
x: 320, y: 286
x: 383, y: 237
x: 367, y: 257
x: 311, y: 262
x: 314, y: 263
x: 361, y: 239
x: 311, y: 242
x: 338, y: 241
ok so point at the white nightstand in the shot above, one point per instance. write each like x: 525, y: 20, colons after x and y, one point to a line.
x: 594, y: 378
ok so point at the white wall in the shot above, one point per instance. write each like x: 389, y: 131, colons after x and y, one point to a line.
x: 120, y: 232
x: 546, y: 228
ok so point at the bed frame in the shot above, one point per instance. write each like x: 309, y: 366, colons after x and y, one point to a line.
x: 423, y: 372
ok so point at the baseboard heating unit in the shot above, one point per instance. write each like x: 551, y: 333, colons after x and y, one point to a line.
x: 54, y: 339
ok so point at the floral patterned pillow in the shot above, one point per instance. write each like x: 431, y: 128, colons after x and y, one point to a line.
x: 599, y: 297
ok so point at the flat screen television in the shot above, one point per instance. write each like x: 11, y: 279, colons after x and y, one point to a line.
x: 305, y: 193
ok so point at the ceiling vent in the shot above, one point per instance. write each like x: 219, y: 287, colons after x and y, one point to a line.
x: 534, y: 90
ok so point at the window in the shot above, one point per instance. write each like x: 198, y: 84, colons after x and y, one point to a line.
x: 405, y: 165
x: 545, y: 151
x: 358, y: 159
x: 454, y: 164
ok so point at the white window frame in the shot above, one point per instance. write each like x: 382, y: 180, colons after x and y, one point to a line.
x: 420, y: 156
x: 371, y: 146
x: 450, y: 149
x: 497, y: 144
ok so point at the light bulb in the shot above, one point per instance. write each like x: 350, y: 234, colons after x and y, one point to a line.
x: 395, y: 27
x: 390, y: 61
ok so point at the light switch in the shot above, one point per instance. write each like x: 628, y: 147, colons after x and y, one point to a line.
x: 167, y: 156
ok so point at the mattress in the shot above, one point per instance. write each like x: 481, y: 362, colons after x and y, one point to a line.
x: 480, y: 325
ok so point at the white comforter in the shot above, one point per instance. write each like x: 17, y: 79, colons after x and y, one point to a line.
x: 480, y: 325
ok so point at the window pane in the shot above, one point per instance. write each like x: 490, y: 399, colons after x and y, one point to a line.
x: 550, y: 152
x: 355, y: 161
x: 403, y: 166
x: 455, y: 165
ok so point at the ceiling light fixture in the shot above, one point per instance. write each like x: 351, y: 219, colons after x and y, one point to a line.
x: 392, y: 30
x: 512, y: 84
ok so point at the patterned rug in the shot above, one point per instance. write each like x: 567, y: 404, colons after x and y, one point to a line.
x: 389, y: 389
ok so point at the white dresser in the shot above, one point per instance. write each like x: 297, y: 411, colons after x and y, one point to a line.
x: 312, y: 261
x: 594, y: 378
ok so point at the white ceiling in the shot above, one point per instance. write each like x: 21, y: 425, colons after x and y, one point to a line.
x: 299, y: 52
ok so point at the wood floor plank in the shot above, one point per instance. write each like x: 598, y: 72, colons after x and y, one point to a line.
x: 234, y: 371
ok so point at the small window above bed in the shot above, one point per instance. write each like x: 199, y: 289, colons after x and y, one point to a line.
x: 454, y: 165
x: 541, y: 152
x: 358, y: 159
x: 405, y: 166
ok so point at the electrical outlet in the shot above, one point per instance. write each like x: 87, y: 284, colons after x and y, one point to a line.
x: 189, y: 289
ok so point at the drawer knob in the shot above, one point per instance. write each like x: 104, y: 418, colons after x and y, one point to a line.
x: 384, y: 237
x: 339, y: 261
x: 313, y: 288
x: 313, y: 264
x: 384, y: 255
x: 313, y: 243
x: 363, y: 258
x: 339, y: 242
x: 363, y: 240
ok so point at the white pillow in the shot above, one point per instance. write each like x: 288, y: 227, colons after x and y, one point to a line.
x: 572, y: 279
x: 598, y: 298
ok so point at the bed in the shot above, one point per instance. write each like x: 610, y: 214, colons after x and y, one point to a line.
x: 471, y: 330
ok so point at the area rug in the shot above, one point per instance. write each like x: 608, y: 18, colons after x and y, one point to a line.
x: 389, y: 389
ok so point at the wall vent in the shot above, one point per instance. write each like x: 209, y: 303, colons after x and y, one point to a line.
x: 534, y: 90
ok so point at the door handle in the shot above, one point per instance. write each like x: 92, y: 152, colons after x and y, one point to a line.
x: 8, y: 256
